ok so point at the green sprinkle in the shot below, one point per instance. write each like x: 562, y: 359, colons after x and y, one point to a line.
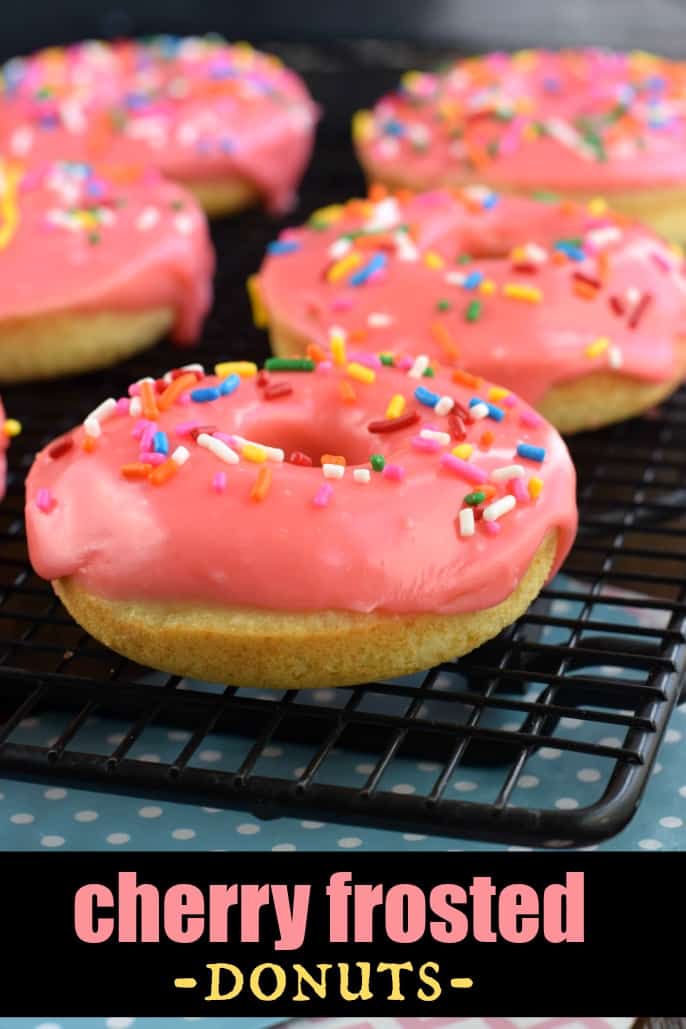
x: 377, y: 462
x: 289, y: 364
x: 473, y: 312
x: 570, y: 241
x: 463, y: 259
x: 318, y: 225
x: 94, y: 238
x: 177, y: 205
x: 428, y: 372
x: 475, y: 498
x: 545, y: 196
x: 387, y: 359
x: 492, y: 148
x: 443, y: 305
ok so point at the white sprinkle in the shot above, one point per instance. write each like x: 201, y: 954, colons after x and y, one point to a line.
x: 104, y: 410
x: 147, y: 219
x: 440, y: 437
x: 135, y: 407
x: 339, y: 248
x: 193, y: 368
x: 444, y: 405
x: 92, y: 427
x: 479, y: 411
x: 599, y: 238
x: 499, y: 508
x: 633, y: 295
x: 180, y: 456
x: 21, y: 141
x: 614, y: 356
x: 420, y: 365
x: 386, y: 215
x: 361, y: 475
x: 405, y: 248
x: 183, y: 223
x: 510, y: 471
x: 379, y: 320
x: 218, y: 448
x: 455, y: 278
x: 466, y: 521
x: 536, y: 253
x: 333, y: 471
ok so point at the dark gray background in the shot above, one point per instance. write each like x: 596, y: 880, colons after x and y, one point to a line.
x: 659, y: 25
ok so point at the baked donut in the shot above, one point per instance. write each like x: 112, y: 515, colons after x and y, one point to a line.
x: 577, y: 122
x: 95, y: 264
x: 229, y: 123
x: 9, y: 427
x: 317, y: 523
x: 577, y: 310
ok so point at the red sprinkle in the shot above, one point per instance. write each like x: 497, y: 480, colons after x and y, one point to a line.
x: 62, y: 447
x: 393, y: 424
x: 588, y: 280
x: 639, y: 310
x: 528, y: 269
x: 263, y: 378
x: 178, y: 372
x: 617, y: 305
x: 277, y: 389
x: 456, y: 427
x: 198, y: 429
x: 297, y: 457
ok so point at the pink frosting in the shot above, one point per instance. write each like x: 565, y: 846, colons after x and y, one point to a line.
x: 77, y: 238
x: 198, y: 109
x: 586, y: 119
x: 549, y: 292
x: 312, y: 542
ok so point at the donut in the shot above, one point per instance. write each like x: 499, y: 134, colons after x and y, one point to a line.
x: 577, y: 122
x: 9, y: 427
x: 314, y: 523
x: 229, y: 123
x: 95, y: 264
x: 579, y: 311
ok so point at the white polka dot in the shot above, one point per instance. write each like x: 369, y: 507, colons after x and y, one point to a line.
x: 179, y: 735
x: 349, y: 842
x: 509, y: 727
x: 365, y: 768
x: 150, y: 811
x: 248, y: 828
x: 649, y: 844
x: 210, y: 755
x: 527, y: 782
x: 588, y: 775
x: 211, y: 810
x: 312, y: 825
x: 657, y: 768
x: 115, y: 738
x: 549, y: 753
x: 413, y: 837
x: 299, y: 771
x: 183, y: 834
x: 671, y: 822
x: 672, y: 736
x: 52, y: 841
x: 119, y: 1023
x: 610, y: 741
x: 682, y: 791
x: 566, y: 803
x: 152, y: 759
x: 324, y: 696
x: 22, y: 818
x: 465, y: 785
x: 516, y: 848
x: 49, y: 1025
x: 428, y: 766
x: 118, y: 838
x: 571, y: 723
x: 86, y: 816
x: 29, y: 723
x: 403, y: 787
x: 284, y: 846
x: 2, y: 796
x: 272, y: 751
x: 55, y: 793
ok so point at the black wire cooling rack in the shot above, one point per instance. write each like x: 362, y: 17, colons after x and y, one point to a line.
x: 591, y: 672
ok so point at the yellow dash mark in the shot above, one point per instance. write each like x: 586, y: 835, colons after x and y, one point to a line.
x: 396, y: 406
x: 246, y: 369
x: 462, y: 984
x: 487, y: 287
x: 260, y: 315
x: 10, y: 176
x: 185, y: 984
x: 360, y: 373
x: 346, y: 264
x: 597, y: 347
x: 463, y: 450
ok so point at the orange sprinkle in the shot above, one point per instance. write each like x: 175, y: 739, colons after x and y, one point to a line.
x: 262, y: 483
x: 347, y: 391
x: 89, y: 444
x: 137, y: 470
x: 164, y: 471
x: 315, y: 353
x: 377, y: 191
x: 332, y: 459
x: 357, y: 335
x: 486, y: 440
x: 559, y: 257
x: 445, y: 340
x: 403, y: 196
x: 149, y: 401
x: 603, y: 264
x: 174, y: 390
x: 489, y: 489
x: 466, y: 378
x: 584, y: 290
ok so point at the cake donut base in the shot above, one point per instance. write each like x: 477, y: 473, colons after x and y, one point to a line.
x: 49, y: 346
x: 219, y: 199
x: 294, y: 650
x: 598, y: 399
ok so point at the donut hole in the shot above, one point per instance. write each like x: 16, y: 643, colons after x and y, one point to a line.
x: 354, y: 444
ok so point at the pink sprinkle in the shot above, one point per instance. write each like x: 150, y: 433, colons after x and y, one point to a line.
x: 365, y: 358
x: 148, y: 435
x: 380, y: 275
x: 135, y: 389
x: 430, y: 446
x: 184, y: 400
x: 138, y: 428
x: 404, y: 364
x: 219, y: 482
x: 509, y: 401
x: 530, y: 419
x: 660, y: 260
x: 341, y: 303
x: 123, y: 405
x: 185, y: 428
x: 464, y: 469
x: 492, y: 528
x: 44, y: 500
x: 395, y: 472
x: 518, y: 489
x: 225, y: 438
x: 323, y: 495
x: 151, y: 457
x: 324, y: 366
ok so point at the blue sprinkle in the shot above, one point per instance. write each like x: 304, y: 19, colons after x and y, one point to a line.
x: 160, y: 443
x: 393, y: 127
x: 229, y: 384
x: 496, y: 413
x: 205, y: 394
x: 473, y: 280
x: 531, y: 452
x: 374, y: 264
x: 282, y: 246
x: 572, y: 252
x: 425, y: 396
x: 491, y: 200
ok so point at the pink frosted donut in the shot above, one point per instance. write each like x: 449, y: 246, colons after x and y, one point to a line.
x: 580, y: 122
x: 228, y: 122
x: 312, y: 524
x: 95, y: 264
x: 579, y: 311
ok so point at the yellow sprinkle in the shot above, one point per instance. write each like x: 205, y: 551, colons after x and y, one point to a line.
x: 331, y: 213
x: 251, y: 452
x: 362, y: 126
x: 676, y: 249
x: 497, y: 393
x: 487, y: 287
x: 10, y: 176
x: 11, y: 427
x: 463, y: 450
x: 597, y: 347
x: 338, y: 348
x: 535, y: 487
x: 260, y: 315
x: 433, y: 260
x: 410, y: 79
x: 532, y: 294
x: 396, y: 406
x: 529, y: 134
x: 345, y: 265
x: 598, y: 205
x: 246, y: 369
x: 360, y: 373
